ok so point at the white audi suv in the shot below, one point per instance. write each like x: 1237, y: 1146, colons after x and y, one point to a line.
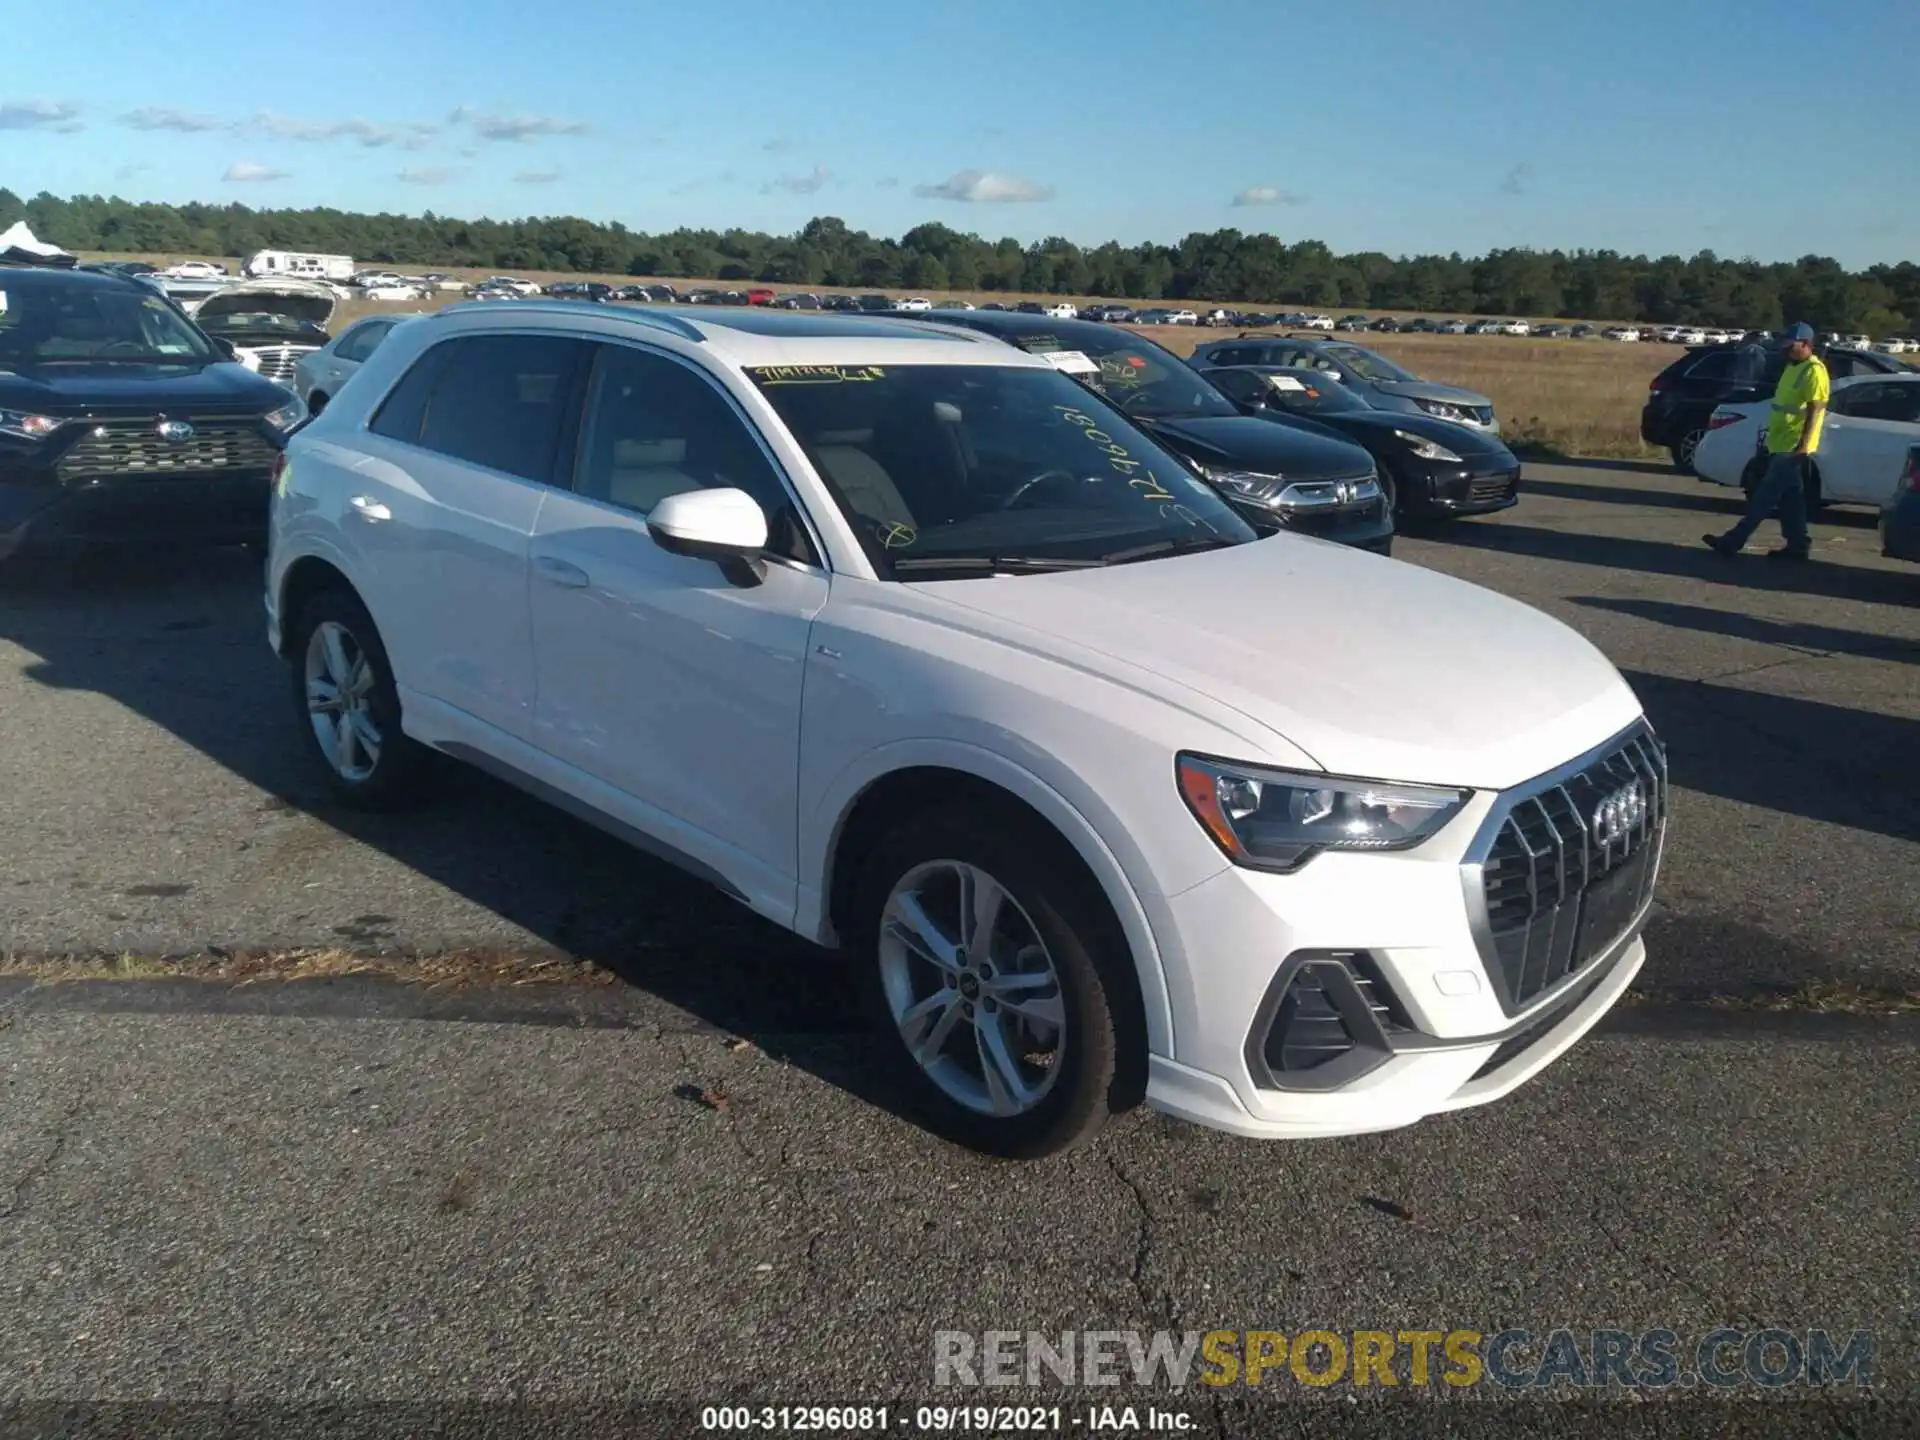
x: 917, y: 645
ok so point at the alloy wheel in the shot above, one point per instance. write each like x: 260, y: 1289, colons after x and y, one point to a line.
x: 972, y: 988
x: 339, y: 685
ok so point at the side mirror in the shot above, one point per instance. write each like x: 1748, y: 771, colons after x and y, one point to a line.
x: 727, y: 527
x: 225, y: 347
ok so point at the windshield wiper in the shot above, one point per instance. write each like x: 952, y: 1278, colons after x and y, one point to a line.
x: 1177, y: 545
x: 987, y: 564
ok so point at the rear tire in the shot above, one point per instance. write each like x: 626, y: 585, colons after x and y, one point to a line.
x: 1048, y: 987
x: 1684, y: 448
x: 348, y: 706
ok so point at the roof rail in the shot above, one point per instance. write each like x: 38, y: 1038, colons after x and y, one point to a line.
x: 658, y: 320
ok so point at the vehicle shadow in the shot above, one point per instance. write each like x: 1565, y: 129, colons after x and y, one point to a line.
x: 1594, y: 462
x: 1695, y: 562
x: 1824, y: 638
x: 1710, y: 500
x: 1786, y: 754
x: 182, y: 644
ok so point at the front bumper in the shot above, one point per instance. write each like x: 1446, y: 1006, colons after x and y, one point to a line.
x: 1478, y: 487
x: 225, y: 509
x: 1437, y: 1021
x: 1365, y: 527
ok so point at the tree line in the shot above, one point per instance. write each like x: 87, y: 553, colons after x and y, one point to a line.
x: 1219, y: 265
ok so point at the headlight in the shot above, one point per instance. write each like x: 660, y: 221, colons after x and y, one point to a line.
x: 1263, y: 488
x: 1278, y: 820
x: 27, y: 427
x: 1444, y: 410
x: 1428, y: 449
x: 288, y: 415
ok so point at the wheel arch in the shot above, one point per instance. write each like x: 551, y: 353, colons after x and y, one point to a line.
x: 303, y: 579
x: 873, y: 802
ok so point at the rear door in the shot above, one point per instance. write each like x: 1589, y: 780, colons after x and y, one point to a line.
x: 1863, y: 447
x: 459, y: 458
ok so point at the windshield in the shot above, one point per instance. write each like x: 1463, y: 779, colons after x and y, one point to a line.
x: 1144, y: 380
x: 947, y: 470
x: 1312, y: 391
x: 1364, y: 362
x: 49, y: 324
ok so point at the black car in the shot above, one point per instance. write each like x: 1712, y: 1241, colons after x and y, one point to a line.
x: 1385, y: 325
x: 1428, y: 467
x: 1275, y: 475
x: 121, y: 421
x: 875, y: 304
x: 1682, y: 397
x: 840, y: 303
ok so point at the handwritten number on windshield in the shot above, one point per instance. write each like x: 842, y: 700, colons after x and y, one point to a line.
x: 1118, y: 457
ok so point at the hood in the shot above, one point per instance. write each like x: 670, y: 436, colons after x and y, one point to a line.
x: 1429, y: 390
x: 1461, y: 439
x: 109, y: 391
x: 301, y: 301
x: 1241, y: 442
x: 1373, y: 667
x: 18, y: 244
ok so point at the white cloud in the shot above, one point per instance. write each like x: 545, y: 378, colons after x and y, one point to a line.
x: 374, y: 137
x: 161, y: 117
x: 800, y: 184
x: 55, y: 115
x: 984, y: 187
x: 243, y: 172
x: 887, y: 182
x: 1518, y: 179
x: 1267, y: 195
x: 515, y: 127
x: 430, y: 175
x: 536, y: 177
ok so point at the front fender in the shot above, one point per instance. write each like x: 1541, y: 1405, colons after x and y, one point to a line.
x: 822, y: 829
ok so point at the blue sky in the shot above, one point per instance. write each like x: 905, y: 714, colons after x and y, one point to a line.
x: 1768, y: 128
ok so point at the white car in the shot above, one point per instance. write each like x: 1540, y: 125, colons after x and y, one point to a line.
x: 1871, y: 421
x: 392, y: 291
x: 1515, y: 327
x: 1182, y: 317
x: 1689, y: 337
x: 508, y: 282
x: 195, y: 270
x: 1621, y: 332
x: 920, y: 648
x: 319, y: 374
x: 1061, y: 310
x: 1317, y: 322
x: 913, y: 302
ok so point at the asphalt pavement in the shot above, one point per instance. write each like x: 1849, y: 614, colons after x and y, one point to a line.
x: 683, y: 1186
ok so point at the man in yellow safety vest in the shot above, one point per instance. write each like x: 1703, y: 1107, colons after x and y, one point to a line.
x: 1793, y: 435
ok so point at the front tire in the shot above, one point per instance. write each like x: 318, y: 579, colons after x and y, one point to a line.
x: 349, y: 708
x: 1684, y: 449
x: 1002, y: 989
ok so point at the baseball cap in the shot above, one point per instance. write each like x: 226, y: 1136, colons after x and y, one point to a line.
x: 1801, y: 331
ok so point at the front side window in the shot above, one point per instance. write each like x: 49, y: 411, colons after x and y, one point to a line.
x: 54, y: 324
x: 359, y: 343
x: 1367, y: 364
x: 947, y: 470
x: 1311, y: 392
x: 653, y: 428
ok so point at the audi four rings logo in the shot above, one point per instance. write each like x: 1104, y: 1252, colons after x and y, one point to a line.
x: 175, y: 430
x: 1620, y: 814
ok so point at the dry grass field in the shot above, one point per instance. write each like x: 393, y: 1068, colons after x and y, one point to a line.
x: 1574, y: 397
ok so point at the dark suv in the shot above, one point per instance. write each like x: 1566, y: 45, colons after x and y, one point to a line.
x: 1682, y: 397
x: 121, y: 421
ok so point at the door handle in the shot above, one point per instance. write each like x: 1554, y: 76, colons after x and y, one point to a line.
x: 559, y: 571
x: 369, y: 508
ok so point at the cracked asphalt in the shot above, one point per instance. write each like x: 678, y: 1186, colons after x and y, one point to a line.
x: 357, y: 1192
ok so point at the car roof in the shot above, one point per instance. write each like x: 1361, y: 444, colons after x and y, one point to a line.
x: 25, y: 277
x: 747, y: 338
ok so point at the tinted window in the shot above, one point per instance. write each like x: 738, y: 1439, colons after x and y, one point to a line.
x: 1242, y: 385
x: 653, y: 428
x: 1235, y: 355
x: 359, y: 343
x: 500, y: 401
x: 1888, y: 401
x: 401, y: 413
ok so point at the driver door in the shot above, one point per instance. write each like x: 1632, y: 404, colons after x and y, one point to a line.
x: 671, y: 695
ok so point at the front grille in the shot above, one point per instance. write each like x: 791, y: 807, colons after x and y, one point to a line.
x: 1564, y: 880
x: 216, y: 446
x: 277, y: 362
x: 1491, y: 487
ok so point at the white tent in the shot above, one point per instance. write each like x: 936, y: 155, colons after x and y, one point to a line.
x: 17, y: 244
